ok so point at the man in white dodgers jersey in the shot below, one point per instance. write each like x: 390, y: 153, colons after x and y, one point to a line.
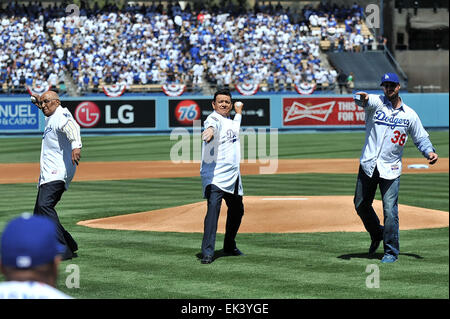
x: 30, y: 256
x: 388, y: 122
x: 60, y: 154
x: 220, y: 172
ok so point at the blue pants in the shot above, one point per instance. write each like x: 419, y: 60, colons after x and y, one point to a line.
x: 48, y: 196
x: 366, y: 188
x: 235, y: 212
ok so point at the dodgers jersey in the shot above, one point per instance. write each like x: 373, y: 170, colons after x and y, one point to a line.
x: 387, y: 131
x: 61, y: 135
x: 222, y: 155
x: 29, y: 290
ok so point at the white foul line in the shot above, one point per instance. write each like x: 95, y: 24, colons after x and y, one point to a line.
x: 287, y: 198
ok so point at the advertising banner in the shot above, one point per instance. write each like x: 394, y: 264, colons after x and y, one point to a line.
x: 18, y: 116
x: 322, y: 111
x: 113, y: 114
x: 256, y: 112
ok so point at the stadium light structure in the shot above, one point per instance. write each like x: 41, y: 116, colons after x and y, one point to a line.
x: 416, y: 6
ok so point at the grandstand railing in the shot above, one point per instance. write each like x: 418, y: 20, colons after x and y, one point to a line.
x: 394, y: 61
x: 205, y: 89
x: 427, y: 88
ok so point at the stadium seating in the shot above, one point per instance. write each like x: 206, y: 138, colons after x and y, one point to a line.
x: 146, y: 48
x: 367, y: 67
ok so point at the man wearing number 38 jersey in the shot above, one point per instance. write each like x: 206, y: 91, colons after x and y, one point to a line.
x: 389, y: 121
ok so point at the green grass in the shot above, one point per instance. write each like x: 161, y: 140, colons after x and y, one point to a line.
x: 127, y: 264
x: 135, y: 264
x: 153, y: 148
x: 157, y: 265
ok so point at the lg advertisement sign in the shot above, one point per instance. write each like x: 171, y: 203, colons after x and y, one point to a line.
x: 113, y: 114
x: 87, y: 114
x: 256, y: 112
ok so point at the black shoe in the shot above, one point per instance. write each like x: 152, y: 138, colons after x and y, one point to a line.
x: 234, y: 252
x: 374, y: 246
x: 207, y: 259
x: 67, y: 257
x: 70, y: 241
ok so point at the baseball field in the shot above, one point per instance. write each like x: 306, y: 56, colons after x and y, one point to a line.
x: 138, y: 216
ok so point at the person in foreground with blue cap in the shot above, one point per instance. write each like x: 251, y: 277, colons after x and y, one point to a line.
x: 389, y: 121
x: 30, y: 256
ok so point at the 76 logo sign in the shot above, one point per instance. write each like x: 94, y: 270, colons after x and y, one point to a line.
x: 187, y: 112
x: 399, y: 138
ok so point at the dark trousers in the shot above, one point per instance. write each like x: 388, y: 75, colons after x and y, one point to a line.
x: 48, y: 196
x: 235, y: 212
x: 366, y: 188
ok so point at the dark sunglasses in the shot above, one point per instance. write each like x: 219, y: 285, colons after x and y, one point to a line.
x: 47, y: 101
x: 390, y: 85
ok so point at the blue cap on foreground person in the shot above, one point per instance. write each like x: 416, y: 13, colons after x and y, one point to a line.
x: 389, y: 77
x: 29, y: 241
x: 30, y: 256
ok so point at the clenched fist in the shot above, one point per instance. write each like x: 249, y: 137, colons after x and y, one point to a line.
x: 238, y: 107
x: 35, y: 99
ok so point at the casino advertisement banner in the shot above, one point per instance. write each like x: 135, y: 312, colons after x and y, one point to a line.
x: 322, y: 111
x: 113, y: 114
x: 18, y: 116
x: 183, y: 113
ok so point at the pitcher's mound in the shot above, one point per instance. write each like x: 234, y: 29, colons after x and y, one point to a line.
x: 270, y: 214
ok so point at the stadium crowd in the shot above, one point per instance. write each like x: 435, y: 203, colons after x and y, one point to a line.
x: 141, y: 45
x: 26, y: 57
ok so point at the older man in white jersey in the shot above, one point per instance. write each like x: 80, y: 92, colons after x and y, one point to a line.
x: 388, y: 122
x: 60, y: 153
x: 220, y: 172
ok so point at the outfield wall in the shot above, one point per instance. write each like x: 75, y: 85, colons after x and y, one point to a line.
x: 149, y: 114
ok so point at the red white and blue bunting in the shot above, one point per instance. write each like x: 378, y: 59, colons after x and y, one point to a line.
x: 173, y: 89
x: 305, y: 88
x: 247, y: 89
x: 114, y: 90
x: 39, y: 89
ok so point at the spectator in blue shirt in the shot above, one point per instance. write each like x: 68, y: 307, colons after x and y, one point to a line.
x: 348, y: 24
x: 95, y: 81
x: 29, y: 81
x: 75, y: 62
x: 86, y: 81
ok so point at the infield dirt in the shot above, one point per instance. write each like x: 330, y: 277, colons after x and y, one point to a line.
x: 89, y: 171
x: 270, y: 214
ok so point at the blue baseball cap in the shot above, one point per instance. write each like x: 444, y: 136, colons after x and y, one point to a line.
x: 29, y: 241
x: 389, y: 77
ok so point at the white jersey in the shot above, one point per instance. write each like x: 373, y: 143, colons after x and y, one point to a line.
x: 61, y: 135
x: 387, y: 131
x: 29, y: 290
x: 222, y: 155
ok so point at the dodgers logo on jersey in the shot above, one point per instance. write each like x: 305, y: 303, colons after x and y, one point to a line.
x: 231, y: 136
x: 391, y: 121
x: 47, y: 130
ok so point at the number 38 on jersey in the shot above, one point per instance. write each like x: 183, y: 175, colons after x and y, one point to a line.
x: 399, y: 138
